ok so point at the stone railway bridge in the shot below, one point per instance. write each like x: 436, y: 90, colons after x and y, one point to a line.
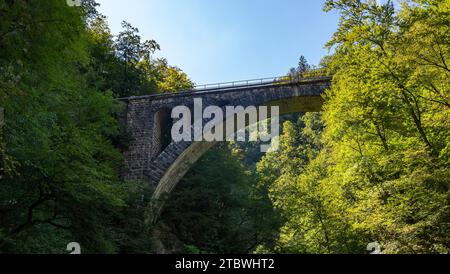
x: 152, y: 156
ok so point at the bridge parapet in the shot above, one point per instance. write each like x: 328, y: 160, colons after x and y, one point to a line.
x: 304, y: 78
x: 312, y: 75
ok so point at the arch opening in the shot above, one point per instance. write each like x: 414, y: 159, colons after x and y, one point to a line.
x: 162, y: 126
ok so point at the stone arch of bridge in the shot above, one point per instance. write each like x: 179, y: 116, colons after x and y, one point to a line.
x: 196, y: 150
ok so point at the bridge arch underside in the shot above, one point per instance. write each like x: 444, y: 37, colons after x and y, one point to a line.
x: 193, y: 151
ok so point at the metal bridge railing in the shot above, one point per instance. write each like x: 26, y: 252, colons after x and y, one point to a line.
x: 309, y: 75
x: 312, y: 75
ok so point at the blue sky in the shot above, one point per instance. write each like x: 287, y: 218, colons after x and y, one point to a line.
x: 226, y: 40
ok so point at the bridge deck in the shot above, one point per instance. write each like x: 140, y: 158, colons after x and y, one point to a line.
x: 236, y: 86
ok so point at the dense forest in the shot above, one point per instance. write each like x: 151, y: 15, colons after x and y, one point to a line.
x: 374, y: 166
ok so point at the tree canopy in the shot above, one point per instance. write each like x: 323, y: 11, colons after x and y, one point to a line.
x: 380, y: 167
x: 373, y: 166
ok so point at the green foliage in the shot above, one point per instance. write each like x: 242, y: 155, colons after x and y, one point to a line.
x: 373, y: 167
x: 57, y: 132
x: 296, y: 177
x: 124, y: 64
x: 60, y: 70
x: 379, y: 170
x: 387, y: 118
x: 219, y: 207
